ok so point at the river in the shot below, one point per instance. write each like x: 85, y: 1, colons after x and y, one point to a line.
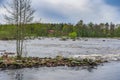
x: 109, y: 71
x: 51, y: 47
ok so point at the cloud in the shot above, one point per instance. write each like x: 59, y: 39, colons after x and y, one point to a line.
x: 2, y: 13
x: 71, y: 11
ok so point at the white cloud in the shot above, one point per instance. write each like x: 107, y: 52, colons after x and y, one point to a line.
x: 73, y: 10
x: 2, y: 13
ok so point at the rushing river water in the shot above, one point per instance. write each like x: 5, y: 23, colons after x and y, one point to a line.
x: 49, y: 47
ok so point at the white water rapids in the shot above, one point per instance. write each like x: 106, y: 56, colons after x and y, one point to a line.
x: 103, y: 57
x: 92, y: 48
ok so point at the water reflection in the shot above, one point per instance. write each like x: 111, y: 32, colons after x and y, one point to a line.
x: 19, y: 75
x: 110, y: 71
x: 89, y: 69
x: 43, y: 73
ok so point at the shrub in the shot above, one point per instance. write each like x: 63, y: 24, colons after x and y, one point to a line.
x: 73, y: 35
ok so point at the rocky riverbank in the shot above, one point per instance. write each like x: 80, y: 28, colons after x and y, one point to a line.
x: 29, y: 62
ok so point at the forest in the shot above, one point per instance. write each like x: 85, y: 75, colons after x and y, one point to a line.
x: 102, y: 30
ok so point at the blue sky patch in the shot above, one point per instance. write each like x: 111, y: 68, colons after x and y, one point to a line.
x: 1, y: 1
x: 113, y: 2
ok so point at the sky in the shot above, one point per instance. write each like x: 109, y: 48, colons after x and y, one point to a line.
x: 71, y: 11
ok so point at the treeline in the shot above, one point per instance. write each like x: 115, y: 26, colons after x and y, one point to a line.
x: 58, y: 30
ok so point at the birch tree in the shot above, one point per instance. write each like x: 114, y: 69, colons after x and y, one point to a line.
x: 20, y: 13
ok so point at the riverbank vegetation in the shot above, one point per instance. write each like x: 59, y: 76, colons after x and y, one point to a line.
x: 29, y: 62
x: 62, y: 30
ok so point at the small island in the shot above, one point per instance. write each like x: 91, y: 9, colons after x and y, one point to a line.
x: 29, y: 62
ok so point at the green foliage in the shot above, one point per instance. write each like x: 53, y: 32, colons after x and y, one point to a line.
x: 73, y: 35
x: 5, y: 35
x: 72, y: 31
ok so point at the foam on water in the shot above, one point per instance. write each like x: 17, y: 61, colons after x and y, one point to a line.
x: 108, y: 57
x: 51, y: 47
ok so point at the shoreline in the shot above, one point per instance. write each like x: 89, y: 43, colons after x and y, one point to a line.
x: 61, y: 37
